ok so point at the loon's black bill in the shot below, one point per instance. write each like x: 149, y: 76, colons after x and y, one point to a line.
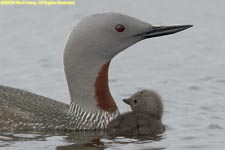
x: 164, y: 30
x: 127, y: 101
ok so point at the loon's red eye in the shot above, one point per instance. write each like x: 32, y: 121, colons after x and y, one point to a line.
x: 119, y: 28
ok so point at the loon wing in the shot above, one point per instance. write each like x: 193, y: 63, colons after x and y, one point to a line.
x: 22, y: 110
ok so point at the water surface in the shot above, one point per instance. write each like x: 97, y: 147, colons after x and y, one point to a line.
x: 186, y: 69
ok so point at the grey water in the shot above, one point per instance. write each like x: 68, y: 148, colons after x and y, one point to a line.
x: 187, y: 69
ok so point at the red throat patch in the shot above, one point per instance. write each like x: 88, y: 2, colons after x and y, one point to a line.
x: 103, y: 96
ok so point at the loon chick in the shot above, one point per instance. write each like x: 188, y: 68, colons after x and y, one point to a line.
x: 145, y: 118
x: 87, y: 55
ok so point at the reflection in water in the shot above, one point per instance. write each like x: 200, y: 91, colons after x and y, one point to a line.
x: 95, y: 144
x: 91, y: 142
x: 83, y: 141
x: 71, y: 141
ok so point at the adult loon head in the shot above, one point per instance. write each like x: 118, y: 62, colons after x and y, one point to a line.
x: 88, y: 52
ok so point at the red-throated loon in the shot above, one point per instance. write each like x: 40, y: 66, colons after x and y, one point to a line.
x: 88, y: 52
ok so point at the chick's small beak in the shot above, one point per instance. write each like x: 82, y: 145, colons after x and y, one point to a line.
x: 127, y: 101
x: 164, y: 30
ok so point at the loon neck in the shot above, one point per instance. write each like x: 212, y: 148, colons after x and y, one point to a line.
x: 88, y: 86
x: 84, y: 120
x: 87, y: 77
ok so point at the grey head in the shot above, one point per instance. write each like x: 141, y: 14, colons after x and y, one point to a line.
x: 146, y: 101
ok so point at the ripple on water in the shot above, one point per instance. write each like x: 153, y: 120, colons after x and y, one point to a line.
x: 189, y: 138
x: 220, y: 81
x: 205, y: 108
x: 214, y: 126
x: 207, y: 78
x: 194, y: 88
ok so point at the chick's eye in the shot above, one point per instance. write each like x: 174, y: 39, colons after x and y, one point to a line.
x: 135, y: 101
x: 119, y: 28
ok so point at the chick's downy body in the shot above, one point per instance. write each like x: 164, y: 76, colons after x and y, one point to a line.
x: 145, y: 118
